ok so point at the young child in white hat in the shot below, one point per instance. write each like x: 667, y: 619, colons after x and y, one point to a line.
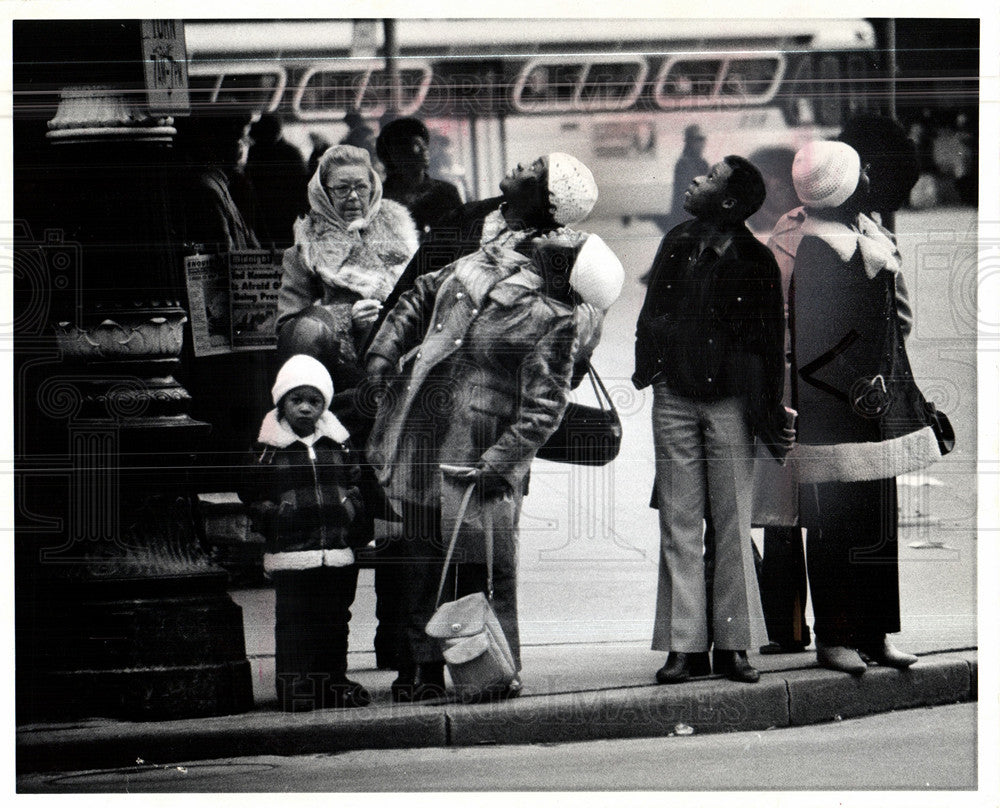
x: 304, y: 499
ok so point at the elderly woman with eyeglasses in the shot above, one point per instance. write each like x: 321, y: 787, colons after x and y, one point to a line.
x: 350, y: 248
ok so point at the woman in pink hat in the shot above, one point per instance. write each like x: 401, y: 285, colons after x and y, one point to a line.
x: 862, y: 419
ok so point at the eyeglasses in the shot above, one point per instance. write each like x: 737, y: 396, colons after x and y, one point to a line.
x: 342, y: 191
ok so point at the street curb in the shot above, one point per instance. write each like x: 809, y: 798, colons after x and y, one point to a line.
x: 782, y: 698
x: 817, y: 696
x: 635, y: 712
x: 99, y: 745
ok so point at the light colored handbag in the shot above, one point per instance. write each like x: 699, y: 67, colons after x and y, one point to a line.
x: 472, y: 641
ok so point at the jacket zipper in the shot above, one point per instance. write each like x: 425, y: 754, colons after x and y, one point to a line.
x: 319, y: 495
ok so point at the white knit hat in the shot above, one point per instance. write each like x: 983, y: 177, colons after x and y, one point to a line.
x: 825, y: 173
x: 572, y: 190
x: 598, y: 275
x: 303, y: 370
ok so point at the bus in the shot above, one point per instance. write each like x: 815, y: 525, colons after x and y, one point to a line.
x: 615, y: 93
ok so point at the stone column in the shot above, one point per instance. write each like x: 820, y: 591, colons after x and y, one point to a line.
x: 120, y: 612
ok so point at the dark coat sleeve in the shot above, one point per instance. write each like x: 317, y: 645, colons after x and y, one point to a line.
x: 761, y: 333
x: 646, y: 347
x: 406, y: 324
x: 544, y: 390
x: 256, y: 492
x: 456, y: 235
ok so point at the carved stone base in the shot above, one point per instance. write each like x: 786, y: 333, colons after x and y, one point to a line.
x: 141, y: 649
x: 153, y: 694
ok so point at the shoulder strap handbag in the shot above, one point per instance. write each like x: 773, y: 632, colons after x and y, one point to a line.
x: 472, y: 641
x: 875, y: 397
x: 586, y: 436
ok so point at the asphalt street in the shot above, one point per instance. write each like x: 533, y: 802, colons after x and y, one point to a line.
x: 926, y: 749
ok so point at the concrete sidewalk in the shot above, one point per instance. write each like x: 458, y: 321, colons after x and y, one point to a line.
x: 572, y: 692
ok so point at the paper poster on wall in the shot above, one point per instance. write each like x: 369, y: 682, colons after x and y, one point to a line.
x: 208, y: 304
x: 254, y: 278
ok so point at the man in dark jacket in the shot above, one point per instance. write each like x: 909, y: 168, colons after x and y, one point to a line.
x: 403, y: 147
x: 709, y: 340
x: 277, y: 171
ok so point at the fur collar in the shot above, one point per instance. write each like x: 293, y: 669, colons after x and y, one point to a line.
x: 275, y: 433
x: 878, y: 251
x: 367, y: 261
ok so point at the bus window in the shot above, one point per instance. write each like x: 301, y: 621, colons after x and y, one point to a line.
x: 546, y: 86
x: 324, y: 93
x: 594, y: 84
x: 612, y: 85
x: 857, y: 83
x: 687, y: 82
x: 236, y: 84
x: 797, y: 91
x: 413, y: 85
x: 753, y: 79
x: 828, y: 98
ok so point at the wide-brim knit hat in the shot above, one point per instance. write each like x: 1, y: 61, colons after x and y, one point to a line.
x: 597, y: 275
x: 302, y: 370
x: 572, y: 190
x: 825, y: 173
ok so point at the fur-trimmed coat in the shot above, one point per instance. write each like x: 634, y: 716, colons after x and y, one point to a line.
x: 335, y: 268
x: 861, y: 415
x: 305, y: 500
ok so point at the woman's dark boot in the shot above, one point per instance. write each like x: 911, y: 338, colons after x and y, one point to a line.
x: 885, y: 653
x: 421, y: 682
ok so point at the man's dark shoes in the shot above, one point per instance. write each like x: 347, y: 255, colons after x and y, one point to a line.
x: 423, y: 682
x: 343, y: 693
x: 681, y: 666
x: 734, y: 665
x: 783, y: 648
x: 348, y: 694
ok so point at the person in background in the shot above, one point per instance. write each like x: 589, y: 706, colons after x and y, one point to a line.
x: 403, y: 148
x: 213, y: 146
x: 303, y: 497
x: 359, y: 134
x: 893, y: 168
x: 277, y: 172
x: 320, y: 145
x: 861, y: 417
x: 689, y: 165
x: 483, y: 385
x: 709, y: 341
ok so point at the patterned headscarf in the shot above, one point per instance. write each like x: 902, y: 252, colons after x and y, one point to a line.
x: 322, y: 206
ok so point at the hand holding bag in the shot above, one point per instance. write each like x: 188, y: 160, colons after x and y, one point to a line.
x: 472, y: 641
x: 586, y: 436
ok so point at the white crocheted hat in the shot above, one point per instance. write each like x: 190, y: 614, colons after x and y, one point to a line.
x: 303, y: 370
x: 572, y: 190
x: 598, y: 275
x: 825, y: 173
